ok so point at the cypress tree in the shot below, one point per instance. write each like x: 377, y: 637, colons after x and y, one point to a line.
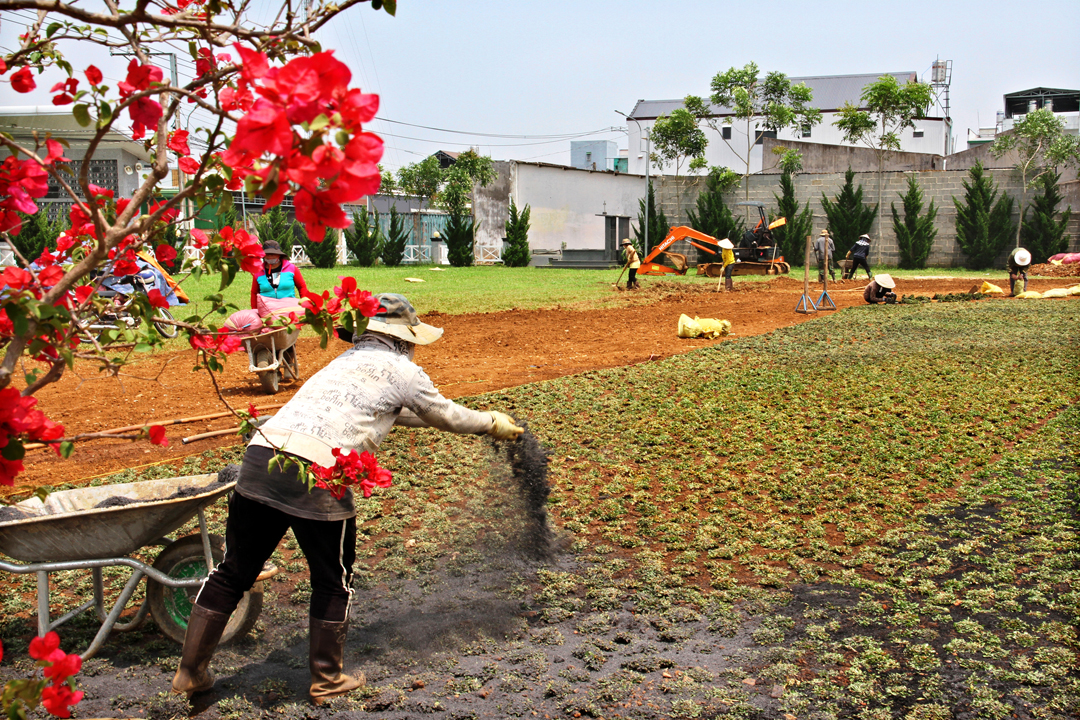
x: 914, y: 234
x: 791, y: 237
x: 1040, y: 233
x: 517, y: 252
x: 460, y: 238
x: 983, y: 221
x: 38, y: 234
x: 322, y: 254
x: 276, y: 225
x: 713, y: 217
x: 848, y: 216
x: 658, y: 222
x: 397, y: 237
x: 364, y: 239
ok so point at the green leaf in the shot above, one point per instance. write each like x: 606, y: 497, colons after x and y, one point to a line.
x: 82, y: 114
x: 104, y: 113
x: 319, y: 123
x: 52, y: 29
x: 66, y: 448
x: 13, y: 451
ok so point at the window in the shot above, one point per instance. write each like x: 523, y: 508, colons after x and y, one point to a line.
x: 725, y: 132
x: 917, y: 133
x: 806, y: 131
x: 762, y: 134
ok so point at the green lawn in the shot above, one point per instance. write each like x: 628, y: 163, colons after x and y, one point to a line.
x: 495, y: 288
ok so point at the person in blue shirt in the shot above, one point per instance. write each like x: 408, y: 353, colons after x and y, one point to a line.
x: 279, y: 278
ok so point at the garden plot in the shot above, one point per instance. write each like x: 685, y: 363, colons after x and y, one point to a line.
x: 871, y: 515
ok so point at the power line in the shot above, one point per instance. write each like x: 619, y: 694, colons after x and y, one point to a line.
x: 562, y: 136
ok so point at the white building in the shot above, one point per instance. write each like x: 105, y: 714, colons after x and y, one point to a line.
x: 1065, y: 104
x: 831, y: 92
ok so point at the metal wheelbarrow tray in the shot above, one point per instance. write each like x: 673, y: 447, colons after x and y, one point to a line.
x: 68, y: 531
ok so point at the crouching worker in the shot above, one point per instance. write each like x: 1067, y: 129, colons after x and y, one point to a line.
x: 880, y: 289
x: 1019, y: 262
x: 351, y: 404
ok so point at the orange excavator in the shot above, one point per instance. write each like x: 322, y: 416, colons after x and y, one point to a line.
x: 756, y: 254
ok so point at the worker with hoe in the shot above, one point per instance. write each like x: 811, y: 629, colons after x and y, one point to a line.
x: 633, y: 262
x: 825, y: 251
x: 1019, y: 262
x: 859, y: 254
x: 727, y: 257
x: 880, y: 289
x: 351, y: 404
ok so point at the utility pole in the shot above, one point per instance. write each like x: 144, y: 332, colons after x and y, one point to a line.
x: 648, y: 183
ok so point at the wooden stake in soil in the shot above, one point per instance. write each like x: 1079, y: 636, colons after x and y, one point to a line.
x: 806, y: 305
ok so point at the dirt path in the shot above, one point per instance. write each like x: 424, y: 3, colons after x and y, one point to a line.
x: 478, y: 353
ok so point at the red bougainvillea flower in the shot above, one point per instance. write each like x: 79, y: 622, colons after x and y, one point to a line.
x: 350, y: 470
x: 20, y: 182
x: 157, y: 435
x: 55, y: 152
x: 361, y: 300
x: 252, y: 411
x: 165, y: 254
x: 23, y: 81
x: 199, y: 239
x: 222, y: 342
x: 265, y: 129
x: 58, y: 699
x: 189, y: 166
x: 42, y: 647
x: 63, y: 666
x: 93, y: 75
x: 178, y: 142
x: 157, y: 299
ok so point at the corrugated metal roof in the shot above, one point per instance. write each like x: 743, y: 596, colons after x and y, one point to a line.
x: 830, y: 93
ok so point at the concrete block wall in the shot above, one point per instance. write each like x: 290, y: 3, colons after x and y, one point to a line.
x: 939, y: 186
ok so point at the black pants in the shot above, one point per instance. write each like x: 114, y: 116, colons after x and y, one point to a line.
x: 253, y: 531
x: 856, y: 263
x: 631, y: 280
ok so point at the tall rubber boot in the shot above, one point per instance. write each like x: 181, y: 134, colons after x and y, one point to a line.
x: 326, y: 657
x: 203, y: 633
x: 729, y: 284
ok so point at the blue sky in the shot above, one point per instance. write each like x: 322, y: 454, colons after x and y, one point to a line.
x: 520, y: 79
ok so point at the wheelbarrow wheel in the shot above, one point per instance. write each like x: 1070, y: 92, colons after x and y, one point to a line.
x: 268, y: 378
x: 165, y: 329
x: 170, y: 607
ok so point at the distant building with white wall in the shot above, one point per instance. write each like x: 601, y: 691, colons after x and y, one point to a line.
x: 594, y: 154
x: 1065, y: 104
x: 932, y: 134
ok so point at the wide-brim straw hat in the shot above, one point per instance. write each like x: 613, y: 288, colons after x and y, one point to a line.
x: 823, y: 233
x: 885, y: 280
x: 397, y: 318
x: 625, y: 242
x: 864, y: 235
x: 726, y: 244
x: 1022, y: 257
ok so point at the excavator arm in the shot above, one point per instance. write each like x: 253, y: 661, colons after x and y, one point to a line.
x: 649, y: 266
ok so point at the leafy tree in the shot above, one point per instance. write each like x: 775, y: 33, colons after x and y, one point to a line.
x: 388, y: 184
x: 321, y: 254
x: 916, y: 232
x: 37, y: 235
x: 422, y: 179
x: 364, y: 238
x: 983, y: 225
x: 890, y: 109
x: 771, y: 104
x: 848, y: 216
x: 1043, y: 235
x: 658, y: 222
x: 276, y: 225
x: 677, y: 138
x: 517, y: 253
x: 468, y: 170
x: 713, y: 217
x: 791, y: 237
x: 1041, y: 145
x: 397, y: 238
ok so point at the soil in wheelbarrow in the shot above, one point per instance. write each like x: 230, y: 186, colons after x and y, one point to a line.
x: 478, y: 353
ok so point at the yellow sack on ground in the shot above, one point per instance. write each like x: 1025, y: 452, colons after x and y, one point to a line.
x: 1056, y: 292
x: 702, y: 327
x: 1029, y: 295
x: 1074, y: 290
x: 988, y: 288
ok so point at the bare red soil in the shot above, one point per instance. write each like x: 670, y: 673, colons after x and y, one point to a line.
x: 478, y: 353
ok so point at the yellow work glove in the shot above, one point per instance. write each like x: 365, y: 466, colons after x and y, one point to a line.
x: 503, y: 427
